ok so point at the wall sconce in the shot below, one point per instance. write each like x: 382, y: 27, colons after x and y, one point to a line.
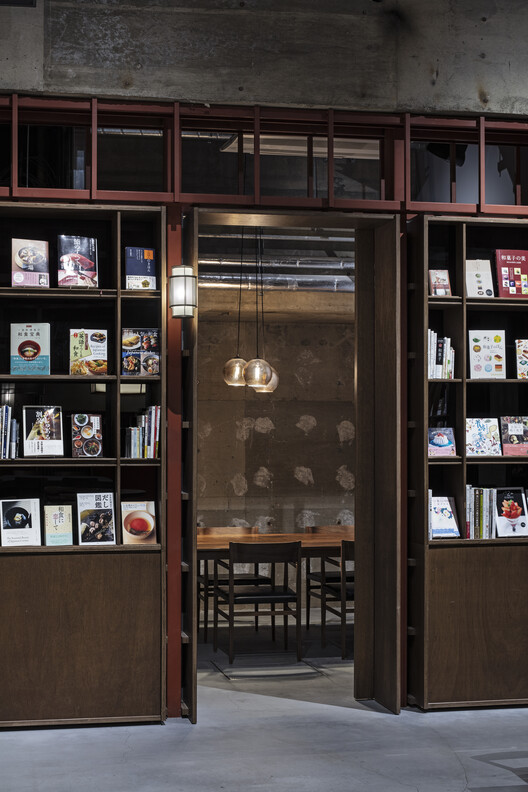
x: 183, y: 296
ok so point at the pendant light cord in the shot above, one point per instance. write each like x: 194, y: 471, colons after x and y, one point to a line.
x: 257, y: 291
x: 261, y: 251
x: 240, y: 293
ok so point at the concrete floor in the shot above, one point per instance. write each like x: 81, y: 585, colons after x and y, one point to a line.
x: 268, y: 723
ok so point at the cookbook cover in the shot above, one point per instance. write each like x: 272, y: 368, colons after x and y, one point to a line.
x: 441, y: 442
x: 443, y: 517
x: 521, y: 355
x: 42, y: 431
x: 29, y: 263
x: 487, y: 354
x: 87, y: 435
x: 482, y: 437
x: 140, y: 268
x: 95, y: 512
x: 88, y: 352
x: 512, y: 272
x: 140, y: 352
x: 58, y: 525
x: 20, y: 522
x: 514, y: 435
x: 439, y: 283
x: 77, y: 261
x: 30, y: 349
x: 138, y: 521
x: 510, y: 512
x: 479, y: 281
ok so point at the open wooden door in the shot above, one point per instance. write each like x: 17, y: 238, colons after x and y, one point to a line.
x: 378, y: 508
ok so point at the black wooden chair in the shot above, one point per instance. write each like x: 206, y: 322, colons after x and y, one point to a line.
x: 231, y: 599
x: 312, y: 577
x: 337, y: 596
x: 205, y: 578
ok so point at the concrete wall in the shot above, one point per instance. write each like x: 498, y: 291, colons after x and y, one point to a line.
x: 284, y: 460
x: 387, y: 55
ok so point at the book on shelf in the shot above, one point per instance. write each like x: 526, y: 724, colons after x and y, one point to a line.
x: 96, y: 521
x: 8, y: 433
x: 87, y: 435
x: 487, y: 354
x: 512, y: 272
x: 140, y: 351
x: 441, y: 442
x: 88, y: 352
x: 443, y: 521
x: 479, y: 280
x: 440, y: 357
x: 482, y: 437
x: 77, y: 261
x: 30, y: 349
x: 58, y: 525
x: 138, y: 521
x: 21, y: 522
x: 521, y: 357
x: 42, y: 431
x: 510, y: 512
x: 514, y: 435
x: 142, y: 440
x: 480, y: 512
x: 439, y: 283
x: 140, y: 268
x: 30, y: 263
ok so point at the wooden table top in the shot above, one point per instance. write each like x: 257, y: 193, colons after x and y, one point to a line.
x: 322, y: 539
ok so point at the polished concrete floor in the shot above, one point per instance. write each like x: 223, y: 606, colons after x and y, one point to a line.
x: 269, y: 723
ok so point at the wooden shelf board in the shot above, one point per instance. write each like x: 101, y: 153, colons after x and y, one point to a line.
x: 444, y: 302
x: 59, y: 461
x: 502, y: 540
x: 142, y: 294
x: 98, y: 548
x: 57, y: 378
x: 496, y: 460
x: 71, y: 293
x: 453, y: 460
x: 497, y: 303
x: 495, y: 381
x: 446, y: 381
x: 125, y: 461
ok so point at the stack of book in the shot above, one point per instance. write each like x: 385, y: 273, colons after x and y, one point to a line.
x: 8, y: 433
x: 440, y: 358
x: 142, y: 440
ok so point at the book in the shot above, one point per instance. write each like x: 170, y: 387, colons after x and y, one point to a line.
x: 29, y: 263
x: 96, y: 522
x: 443, y: 517
x: 512, y: 273
x: 21, y: 522
x: 42, y: 431
x: 138, y: 521
x: 87, y: 435
x: 140, y: 268
x: 487, y: 354
x: 441, y: 442
x: 142, y: 440
x: 88, y: 352
x: 479, y: 280
x: 30, y: 349
x: 439, y: 283
x: 482, y: 437
x: 514, y: 435
x: 521, y: 357
x: 140, y: 352
x: 77, y: 261
x: 58, y: 525
x: 510, y: 512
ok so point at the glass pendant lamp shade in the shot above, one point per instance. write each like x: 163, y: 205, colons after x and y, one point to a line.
x: 272, y: 384
x: 257, y: 373
x: 234, y: 372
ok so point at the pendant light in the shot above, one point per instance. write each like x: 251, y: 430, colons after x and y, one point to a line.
x: 258, y: 372
x: 274, y: 381
x: 234, y: 368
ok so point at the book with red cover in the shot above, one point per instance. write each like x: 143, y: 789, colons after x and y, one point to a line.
x: 512, y: 272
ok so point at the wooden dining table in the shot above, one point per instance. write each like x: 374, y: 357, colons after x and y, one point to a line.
x: 315, y: 544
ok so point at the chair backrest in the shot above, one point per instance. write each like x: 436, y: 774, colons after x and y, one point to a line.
x: 343, y: 530
x: 265, y: 553
x: 226, y: 530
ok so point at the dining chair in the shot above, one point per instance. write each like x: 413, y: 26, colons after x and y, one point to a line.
x: 337, y: 596
x: 312, y: 578
x: 204, y: 580
x: 230, y: 599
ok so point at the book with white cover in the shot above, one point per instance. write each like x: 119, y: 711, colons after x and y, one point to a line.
x: 21, y: 522
x: 444, y: 521
x: 479, y: 280
x: 487, y: 354
x: 483, y: 437
x: 510, y: 512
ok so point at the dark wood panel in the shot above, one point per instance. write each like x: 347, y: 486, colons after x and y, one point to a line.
x: 80, y: 637
x: 478, y: 624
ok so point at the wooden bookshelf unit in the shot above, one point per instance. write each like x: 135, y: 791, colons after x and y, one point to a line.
x: 467, y: 614
x: 84, y: 626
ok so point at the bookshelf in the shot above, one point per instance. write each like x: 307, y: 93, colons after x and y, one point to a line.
x: 467, y: 615
x: 86, y: 621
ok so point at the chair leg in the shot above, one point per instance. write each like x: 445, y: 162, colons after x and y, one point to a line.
x: 323, y: 617
x: 231, y: 634
x: 343, y: 628
x: 273, y: 621
x: 215, y: 622
x: 307, y: 594
x: 285, y: 619
x: 206, y: 598
x: 256, y: 617
x: 298, y: 631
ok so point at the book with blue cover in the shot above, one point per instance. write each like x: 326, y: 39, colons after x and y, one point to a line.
x: 30, y: 349
x: 140, y: 268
